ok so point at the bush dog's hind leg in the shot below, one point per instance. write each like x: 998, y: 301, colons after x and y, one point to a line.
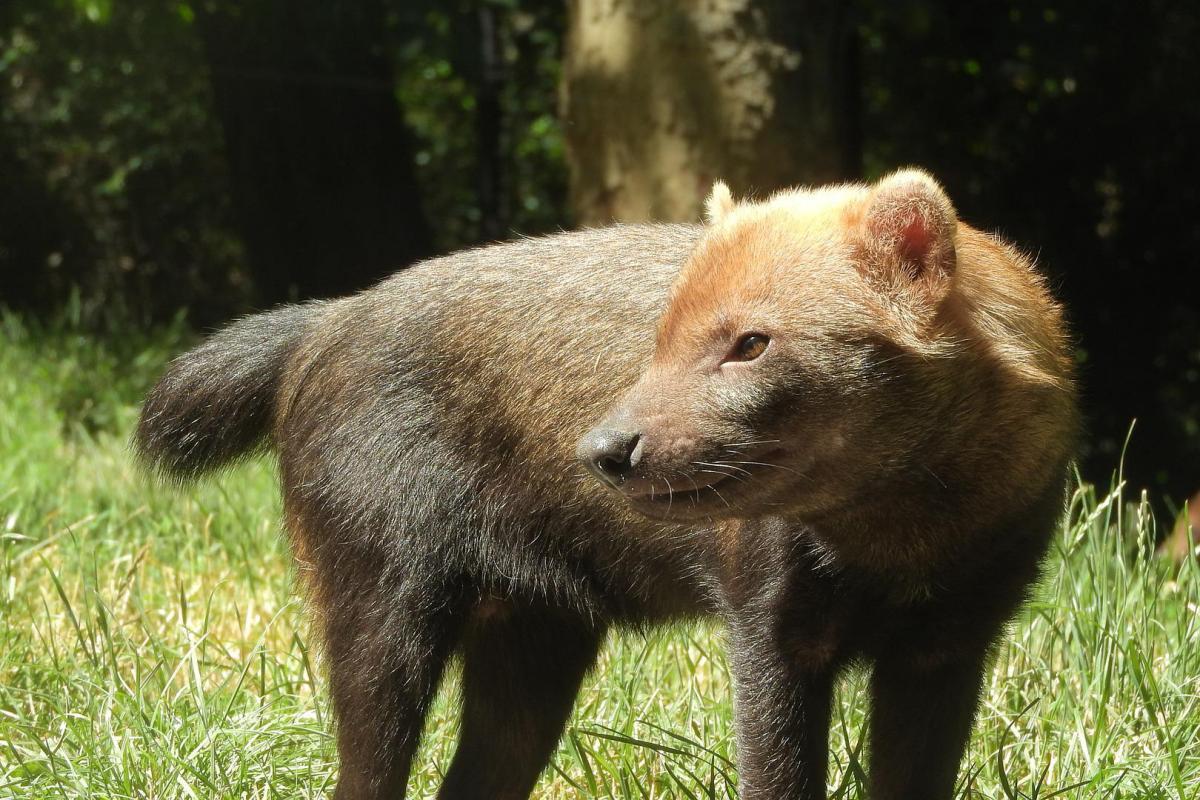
x: 386, y: 656
x: 522, y: 667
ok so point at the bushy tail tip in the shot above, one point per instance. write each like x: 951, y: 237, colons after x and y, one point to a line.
x: 215, y: 403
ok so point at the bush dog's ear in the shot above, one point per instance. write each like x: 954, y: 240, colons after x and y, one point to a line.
x: 909, y: 231
x: 718, y: 204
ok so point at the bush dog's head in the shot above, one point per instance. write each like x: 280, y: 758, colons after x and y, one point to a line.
x: 797, y: 361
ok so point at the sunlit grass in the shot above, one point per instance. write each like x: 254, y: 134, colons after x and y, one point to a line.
x: 153, y: 644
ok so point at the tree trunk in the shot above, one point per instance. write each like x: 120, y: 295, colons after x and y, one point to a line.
x: 319, y: 155
x: 662, y: 97
x: 488, y: 126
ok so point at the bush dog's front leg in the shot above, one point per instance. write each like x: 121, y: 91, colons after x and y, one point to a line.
x: 782, y: 707
x: 921, y: 721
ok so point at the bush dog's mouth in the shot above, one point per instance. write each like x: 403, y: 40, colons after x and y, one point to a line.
x: 703, y: 482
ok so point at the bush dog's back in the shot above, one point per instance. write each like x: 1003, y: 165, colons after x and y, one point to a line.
x: 848, y: 436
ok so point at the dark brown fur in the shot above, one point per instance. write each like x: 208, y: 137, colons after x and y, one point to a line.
x: 426, y: 432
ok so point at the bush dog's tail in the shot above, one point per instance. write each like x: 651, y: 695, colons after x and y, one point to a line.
x: 216, y: 402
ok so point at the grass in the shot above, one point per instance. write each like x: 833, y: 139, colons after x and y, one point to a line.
x: 152, y: 644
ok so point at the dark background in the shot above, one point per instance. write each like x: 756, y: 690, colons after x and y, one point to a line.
x: 218, y: 157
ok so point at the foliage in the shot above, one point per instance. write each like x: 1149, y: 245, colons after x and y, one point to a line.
x: 152, y: 642
x: 105, y: 109
x: 438, y: 79
x: 109, y: 137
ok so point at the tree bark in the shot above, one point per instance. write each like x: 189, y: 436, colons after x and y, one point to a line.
x: 662, y: 97
x: 320, y: 158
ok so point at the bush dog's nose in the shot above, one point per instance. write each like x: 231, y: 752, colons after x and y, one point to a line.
x: 610, y: 454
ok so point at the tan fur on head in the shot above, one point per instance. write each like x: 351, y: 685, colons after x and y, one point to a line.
x: 719, y: 203
x: 969, y: 331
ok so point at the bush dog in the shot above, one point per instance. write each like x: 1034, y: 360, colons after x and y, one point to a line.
x: 1181, y: 542
x: 848, y: 437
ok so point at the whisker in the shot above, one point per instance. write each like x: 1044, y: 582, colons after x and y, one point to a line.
x: 730, y: 475
x: 721, y: 473
x: 772, y: 466
x: 760, y: 441
x: 722, y: 464
x: 723, y: 500
x: 692, y: 496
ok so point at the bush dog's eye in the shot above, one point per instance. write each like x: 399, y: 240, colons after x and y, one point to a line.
x: 750, y: 347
